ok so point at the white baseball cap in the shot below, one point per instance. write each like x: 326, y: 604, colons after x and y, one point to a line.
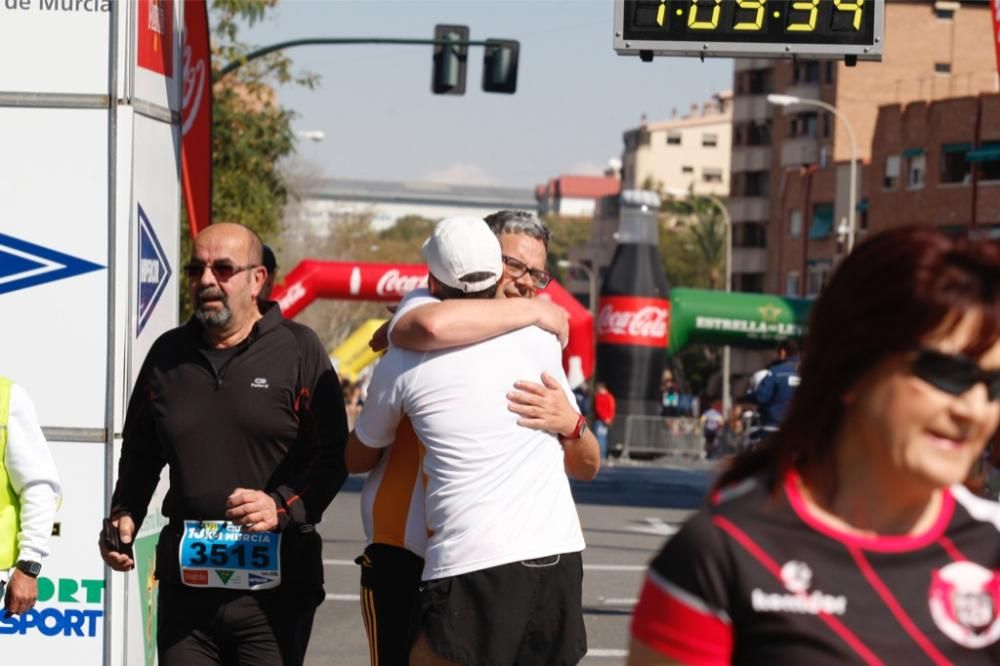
x: 459, y: 246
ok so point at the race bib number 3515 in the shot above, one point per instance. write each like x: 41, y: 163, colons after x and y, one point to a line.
x: 221, y: 554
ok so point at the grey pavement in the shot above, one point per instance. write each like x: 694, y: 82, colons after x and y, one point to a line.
x: 627, y: 513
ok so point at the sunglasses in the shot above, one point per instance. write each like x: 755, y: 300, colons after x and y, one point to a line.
x: 518, y: 268
x: 954, y: 373
x: 222, y: 269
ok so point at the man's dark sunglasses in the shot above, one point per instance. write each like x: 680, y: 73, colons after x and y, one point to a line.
x: 954, y: 373
x: 222, y: 270
x: 518, y: 268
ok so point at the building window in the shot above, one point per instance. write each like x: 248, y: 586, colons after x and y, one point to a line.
x: 673, y: 138
x: 804, y: 124
x: 987, y: 156
x: 749, y: 234
x: 817, y: 275
x: 756, y: 183
x: 794, y: 223
x: 711, y: 175
x: 807, y: 72
x: 944, y: 11
x: 760, y: 82
x: 687, y: 169
x: 822, y: 221
x: 891, y: 172
x: 751, y: 282
x: 916, y: 168
x: 792, y: 283
x: 955, y: 166
x: 943, y: 68
x: 831, y: 67
x: 709, y: 140
x: 737, y: 135
x: 759, y: 133
x: 826, y: 125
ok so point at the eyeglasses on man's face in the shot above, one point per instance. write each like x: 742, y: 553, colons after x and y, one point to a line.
x: 222, y: 269
x: 516, y: 268
x: 954, y: 373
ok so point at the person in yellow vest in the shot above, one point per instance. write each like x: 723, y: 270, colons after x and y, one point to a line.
x: 29, y: 490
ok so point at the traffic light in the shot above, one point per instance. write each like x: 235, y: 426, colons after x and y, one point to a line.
x: 500, y: 65
x: 450, y: 59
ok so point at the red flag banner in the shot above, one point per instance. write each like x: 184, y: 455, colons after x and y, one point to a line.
x: 995, y: 13
x: 156, y: 36
x: 196, y: 117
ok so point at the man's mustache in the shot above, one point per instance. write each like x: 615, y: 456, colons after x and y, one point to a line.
x: 211, y: 293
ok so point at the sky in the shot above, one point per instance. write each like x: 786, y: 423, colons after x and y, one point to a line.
x: 575, y: 96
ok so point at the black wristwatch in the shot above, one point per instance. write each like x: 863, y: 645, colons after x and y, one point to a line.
x: 29, y: 568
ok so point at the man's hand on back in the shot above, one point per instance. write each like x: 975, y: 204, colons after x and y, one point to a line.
x: 543, y: 406
x: 553, y: 318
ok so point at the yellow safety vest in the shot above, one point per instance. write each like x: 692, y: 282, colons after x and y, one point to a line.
x: 10, y: 508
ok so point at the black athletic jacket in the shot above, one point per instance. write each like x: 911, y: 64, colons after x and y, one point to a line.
x: 273, y: 419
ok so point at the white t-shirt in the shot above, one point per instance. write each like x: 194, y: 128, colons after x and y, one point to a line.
x: 496, y: 492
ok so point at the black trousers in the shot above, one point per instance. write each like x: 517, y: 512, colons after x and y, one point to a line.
x: 217, y: 627
x: 390, y: 580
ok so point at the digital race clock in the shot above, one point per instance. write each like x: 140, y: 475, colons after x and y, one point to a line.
x: 751, y: 28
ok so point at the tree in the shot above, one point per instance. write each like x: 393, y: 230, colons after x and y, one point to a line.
x: 693, y: 249
x: 567, y: 232
x: 251, y: 132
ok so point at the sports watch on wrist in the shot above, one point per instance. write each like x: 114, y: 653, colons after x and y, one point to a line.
x: 579, y: 430
x: 29, y: 568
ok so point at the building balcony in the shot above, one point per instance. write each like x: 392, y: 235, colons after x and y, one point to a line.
x: 744, y: 64
x: 803, y: 90
x: 750, y: 107
x: 753, y: 158
x: 749, y: 260
x: 799, y: 150
x: 749, y: 209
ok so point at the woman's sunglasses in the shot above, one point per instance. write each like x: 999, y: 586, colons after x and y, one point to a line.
x: 954, y: 373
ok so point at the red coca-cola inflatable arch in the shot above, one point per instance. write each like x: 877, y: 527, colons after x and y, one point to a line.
x: 358, y: 281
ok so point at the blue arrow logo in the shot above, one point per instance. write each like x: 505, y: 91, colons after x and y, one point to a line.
x: 154, y: 271
x: 24, y: 265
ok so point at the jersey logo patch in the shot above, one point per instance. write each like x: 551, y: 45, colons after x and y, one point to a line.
x: 964, y: 598
x: 797, y: 579
x: 260, y: 383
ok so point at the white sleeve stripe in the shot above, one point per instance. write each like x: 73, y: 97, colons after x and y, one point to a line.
x: 981, y: 509
x: 686, y: 598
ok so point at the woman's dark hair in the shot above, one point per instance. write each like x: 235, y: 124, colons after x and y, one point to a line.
x: 885, y: 298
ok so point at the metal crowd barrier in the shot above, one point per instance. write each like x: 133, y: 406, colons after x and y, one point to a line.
x: 653, y: 436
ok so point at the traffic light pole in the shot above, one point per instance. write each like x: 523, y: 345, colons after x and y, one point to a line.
x: 316, y: 41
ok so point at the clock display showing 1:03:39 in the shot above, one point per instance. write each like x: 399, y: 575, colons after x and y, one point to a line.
x: 778, y: 21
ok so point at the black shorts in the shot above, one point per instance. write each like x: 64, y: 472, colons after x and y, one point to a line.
x: 204, y: 627
x: 525, y: 613
x: 390, y: 580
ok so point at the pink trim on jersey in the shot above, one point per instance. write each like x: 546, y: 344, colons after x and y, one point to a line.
x: 765, y: 560
x: 953, y: 552
x: 679, y: 630
x: 880, y: 544
x: 893, y: 605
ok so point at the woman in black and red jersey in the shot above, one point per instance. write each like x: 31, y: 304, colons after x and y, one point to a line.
x: 848, y: 537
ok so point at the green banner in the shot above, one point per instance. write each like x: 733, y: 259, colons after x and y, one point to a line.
x: 753, y: 321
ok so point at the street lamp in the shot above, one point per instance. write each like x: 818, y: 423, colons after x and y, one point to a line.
x: 726, y: 359
x: 792, y: 100
x: 592, y: 278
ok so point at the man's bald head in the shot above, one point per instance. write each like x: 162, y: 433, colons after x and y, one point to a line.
x: 236, y: 235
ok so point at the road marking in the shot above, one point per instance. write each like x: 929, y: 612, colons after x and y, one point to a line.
x: 654, y: 526
x: 615, y: 567
x: 619, y: 601
x: 605, y: 652
x: 343, y: 597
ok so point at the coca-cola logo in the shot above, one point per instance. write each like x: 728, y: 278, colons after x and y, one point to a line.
x: 392, y: 282
x: 194, y: 87
x: 647, y: 322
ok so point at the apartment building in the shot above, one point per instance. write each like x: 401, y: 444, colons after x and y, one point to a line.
x: 791, y: 166
x: 790, y: 169
x: 937, y: 164
x: 687, y: 153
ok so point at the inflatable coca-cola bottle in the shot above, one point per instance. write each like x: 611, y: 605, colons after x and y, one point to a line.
x: 633, y: 315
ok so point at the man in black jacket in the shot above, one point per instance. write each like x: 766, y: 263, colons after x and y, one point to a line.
x: 246, y: 410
